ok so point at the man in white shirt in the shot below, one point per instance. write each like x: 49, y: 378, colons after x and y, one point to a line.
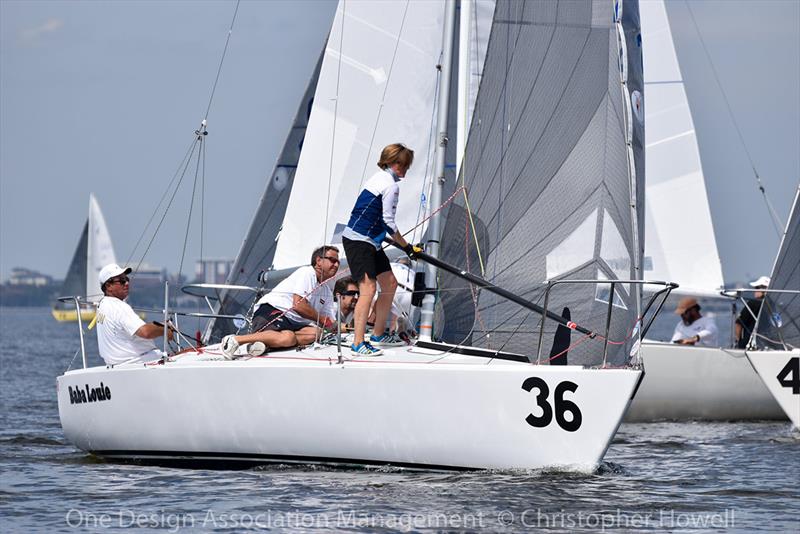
x: 122, y: 336
x: 290, y: 314
x: 693, y: 328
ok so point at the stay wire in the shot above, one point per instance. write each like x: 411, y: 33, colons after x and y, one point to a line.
x: 191, y: 206
x: 222, y: 60
x: 776, y: 222
x: 161, y: 201
x: 335, y: 116
x: 169, y: 204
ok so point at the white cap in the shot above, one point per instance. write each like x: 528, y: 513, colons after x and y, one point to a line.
x: 110, y: 271
x: 761, y: 282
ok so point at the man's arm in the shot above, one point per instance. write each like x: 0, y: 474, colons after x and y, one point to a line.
x: 152, y: 331
x: 305, y: 310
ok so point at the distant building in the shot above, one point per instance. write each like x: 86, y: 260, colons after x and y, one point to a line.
x: 213, y: 271
x: 27, y: 277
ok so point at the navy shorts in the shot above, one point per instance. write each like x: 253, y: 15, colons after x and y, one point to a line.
x: 363, y: 258
x: 268, y: 317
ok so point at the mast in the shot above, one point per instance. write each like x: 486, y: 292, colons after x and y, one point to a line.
x: 432, y: 245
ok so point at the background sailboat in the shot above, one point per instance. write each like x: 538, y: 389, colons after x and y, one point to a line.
x: 94, y: 250
x: 778, y: 331
x: 684, y: 382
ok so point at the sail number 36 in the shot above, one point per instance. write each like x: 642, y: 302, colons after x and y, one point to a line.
x: 560, y: 407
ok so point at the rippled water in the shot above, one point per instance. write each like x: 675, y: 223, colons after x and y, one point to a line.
x: 665, y: 476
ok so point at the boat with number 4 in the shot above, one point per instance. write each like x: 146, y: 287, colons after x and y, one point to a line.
x: 777, y: 333
x: 524, y: 374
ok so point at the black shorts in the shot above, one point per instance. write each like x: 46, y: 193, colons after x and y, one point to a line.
x: 363, y: 258
x: 268, y: 317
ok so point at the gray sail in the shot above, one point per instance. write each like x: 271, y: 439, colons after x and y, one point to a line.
x: 779, y: 318
x: 556, y: 174
x: 75, y: 281
x: 258, y: 248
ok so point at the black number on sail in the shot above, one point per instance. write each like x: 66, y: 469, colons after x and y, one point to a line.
x: 789, y: 377
x: 562, y: 405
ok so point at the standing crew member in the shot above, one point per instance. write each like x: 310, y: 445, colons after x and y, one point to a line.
x: 371, y: 220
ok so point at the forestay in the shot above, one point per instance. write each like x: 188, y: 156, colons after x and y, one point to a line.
x: 779, y: 318
x: 258, y: 247
x: 679, y: 243
x: 555, y: 160
x: 377, y: 86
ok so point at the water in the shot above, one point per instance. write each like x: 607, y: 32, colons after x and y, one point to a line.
x: 666, y: 476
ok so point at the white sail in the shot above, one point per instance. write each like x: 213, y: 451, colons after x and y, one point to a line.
x: 100, y: 250
x: 679, y: 235
x: 377, y: 86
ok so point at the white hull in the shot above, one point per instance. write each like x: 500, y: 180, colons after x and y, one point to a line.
x: 687, y: 383
x: 404, y: 408
x: 769, y: 365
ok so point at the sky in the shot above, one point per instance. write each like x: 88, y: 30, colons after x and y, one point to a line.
x: 104, y: 97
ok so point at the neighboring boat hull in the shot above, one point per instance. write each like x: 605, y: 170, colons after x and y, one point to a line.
x: 699, y: 383
x: 464, y: 414
x: 65, y: 316
x: 770, y: 365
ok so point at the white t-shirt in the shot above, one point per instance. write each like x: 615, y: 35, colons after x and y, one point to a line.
x: 705, y: 327
x: 117, y: 341
x: 303, y: 282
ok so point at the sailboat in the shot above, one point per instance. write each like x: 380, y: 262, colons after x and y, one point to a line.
x: 684, y: 382
x: 549, y: 188
x: 94, y: 250
x: 777, y: 334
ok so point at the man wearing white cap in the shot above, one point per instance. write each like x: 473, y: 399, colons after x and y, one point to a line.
x: 122, y: 336
x: 746, y: 322
x: 693, y: 328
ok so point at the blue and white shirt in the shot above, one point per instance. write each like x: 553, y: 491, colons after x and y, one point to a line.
x: 373, y: 215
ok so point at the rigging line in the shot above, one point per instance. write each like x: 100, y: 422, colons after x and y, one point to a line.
x: 191, y: 207
x: 160, y: 202
x: 383, y: 96
x: 222, y: 59
x: 776, y: 222
x: 432, y: 129
x: 335, y: 116
x: 202, y: 199
x: 169, y: 204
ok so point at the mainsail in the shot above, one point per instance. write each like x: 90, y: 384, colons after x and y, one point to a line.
x: 677, y: 246
x: 779, y: 318
x: 555, y: 161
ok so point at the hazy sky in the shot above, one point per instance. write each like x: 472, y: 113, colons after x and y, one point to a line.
x: 104, y: 97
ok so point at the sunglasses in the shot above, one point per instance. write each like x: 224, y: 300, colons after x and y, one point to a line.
x: 352, y: 293
x: 122, y: 281
x: 332, y: 260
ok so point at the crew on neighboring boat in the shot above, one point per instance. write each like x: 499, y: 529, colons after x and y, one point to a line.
x: 693, y: 328
x: 746, y: 322
x: 122, y: 336
x: 372, y: 219
x: 289, y: 314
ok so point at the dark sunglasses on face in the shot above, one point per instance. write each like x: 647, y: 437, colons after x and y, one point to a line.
x: 332, y: 260
x: 352, y: 293
x: 122, y: 281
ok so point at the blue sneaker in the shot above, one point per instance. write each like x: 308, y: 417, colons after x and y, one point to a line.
x: 386, y: 340
x: 364, y: 349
